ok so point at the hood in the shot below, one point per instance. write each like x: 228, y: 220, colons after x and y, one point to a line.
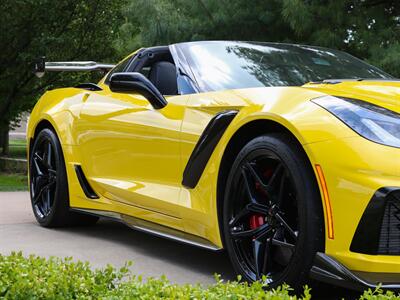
x: 382, y: 93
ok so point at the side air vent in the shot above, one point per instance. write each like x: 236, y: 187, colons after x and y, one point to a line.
x: 87, y: 189
x: 378, y: 232
x: 205, y: 147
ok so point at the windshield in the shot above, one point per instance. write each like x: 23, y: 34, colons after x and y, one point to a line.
x: 219, y: 65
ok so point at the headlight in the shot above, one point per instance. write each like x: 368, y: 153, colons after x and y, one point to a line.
x: 375, y: 123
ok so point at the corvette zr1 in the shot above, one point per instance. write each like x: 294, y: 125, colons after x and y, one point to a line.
x: 286, y: 156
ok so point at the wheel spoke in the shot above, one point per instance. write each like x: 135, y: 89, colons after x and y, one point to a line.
x: 38, y: 194
x: 275, y: 175
x: 249, y: 190
x: 42, y: 203
x: 52, y: 171
x: 257, y: 179
x: 242, y: 234
x: 280, y: 243
x: 249, y: 208
x: 261, y: 251
x: 257, y: 233
x: 265, y: 231
x: 47, y: 200
x: 49, y: 155
x: 244, y: 212
x: 255, y: 174
x: 39, y: 183
x: 258, y: 208
x: 270, y: 187
x: 37, y: 167
x: 286, y: 226
x: 40, y: 159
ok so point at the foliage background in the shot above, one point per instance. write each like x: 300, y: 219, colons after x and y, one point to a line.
x: 107, y: 30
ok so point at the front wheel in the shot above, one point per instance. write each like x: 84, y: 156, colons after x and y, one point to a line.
x: 272, y: 216
x: 49, y: 184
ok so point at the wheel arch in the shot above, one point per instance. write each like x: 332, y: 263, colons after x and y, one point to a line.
x: 42, y: 124
x: 238, y: 140
x: 39, y: 121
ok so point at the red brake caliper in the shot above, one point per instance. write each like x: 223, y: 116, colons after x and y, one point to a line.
x: 257, y: 220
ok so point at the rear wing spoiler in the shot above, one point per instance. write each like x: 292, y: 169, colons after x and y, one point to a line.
x: 41, y: 66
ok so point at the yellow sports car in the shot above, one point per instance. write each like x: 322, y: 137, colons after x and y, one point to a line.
x: 286, y: 156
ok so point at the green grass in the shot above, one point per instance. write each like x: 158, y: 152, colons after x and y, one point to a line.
x: 13, y: 182
x: 18, y: 148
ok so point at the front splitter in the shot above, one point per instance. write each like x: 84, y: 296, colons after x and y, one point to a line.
x: 329, y: 270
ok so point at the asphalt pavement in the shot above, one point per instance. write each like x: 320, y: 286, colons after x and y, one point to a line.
x: 110, y: 242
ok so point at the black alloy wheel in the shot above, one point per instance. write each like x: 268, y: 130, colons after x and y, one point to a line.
x: 272, y: 221
x: 43, y: 177
x: 49, y: 184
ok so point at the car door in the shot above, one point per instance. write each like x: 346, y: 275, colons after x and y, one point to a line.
x: 130, y: 151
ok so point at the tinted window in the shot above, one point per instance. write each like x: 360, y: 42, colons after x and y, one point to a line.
x: 232, y: 65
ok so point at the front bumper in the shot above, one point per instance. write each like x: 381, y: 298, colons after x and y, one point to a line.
x: 329, y: 270
x: 355, y: 170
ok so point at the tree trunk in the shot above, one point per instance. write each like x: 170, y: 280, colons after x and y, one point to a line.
x: 4, y: 140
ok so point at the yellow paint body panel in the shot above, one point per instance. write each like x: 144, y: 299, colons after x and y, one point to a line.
x: 134, y: 155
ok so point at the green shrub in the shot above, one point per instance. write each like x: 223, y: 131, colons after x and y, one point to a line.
x: 54, y: 278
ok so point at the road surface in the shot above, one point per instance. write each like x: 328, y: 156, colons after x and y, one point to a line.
x: 114, y: 243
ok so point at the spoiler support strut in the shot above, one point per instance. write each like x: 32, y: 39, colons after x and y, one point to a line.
x: 40, y: 66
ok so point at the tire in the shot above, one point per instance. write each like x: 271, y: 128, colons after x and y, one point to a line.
x: 272, y: 214
x: 49, y: 185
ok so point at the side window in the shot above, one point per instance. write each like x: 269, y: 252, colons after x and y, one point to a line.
x: 118, y: 68
x: 185, y: 85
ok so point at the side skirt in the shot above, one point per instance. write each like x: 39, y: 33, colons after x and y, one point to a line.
x: 152, y: 228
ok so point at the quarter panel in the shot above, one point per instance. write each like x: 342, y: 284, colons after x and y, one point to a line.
x: 61, y: 108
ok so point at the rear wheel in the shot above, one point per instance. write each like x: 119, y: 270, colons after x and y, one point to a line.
x: 272, y: 212
x: 49, y: 184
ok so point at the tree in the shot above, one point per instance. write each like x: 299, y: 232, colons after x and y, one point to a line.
x: 180, y: 20
x: 368, y: 29
x: 61, y: 30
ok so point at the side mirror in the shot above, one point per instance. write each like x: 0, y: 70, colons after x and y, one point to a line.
x: 134, y: 82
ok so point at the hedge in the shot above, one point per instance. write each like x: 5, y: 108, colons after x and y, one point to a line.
x: 35, y: 277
